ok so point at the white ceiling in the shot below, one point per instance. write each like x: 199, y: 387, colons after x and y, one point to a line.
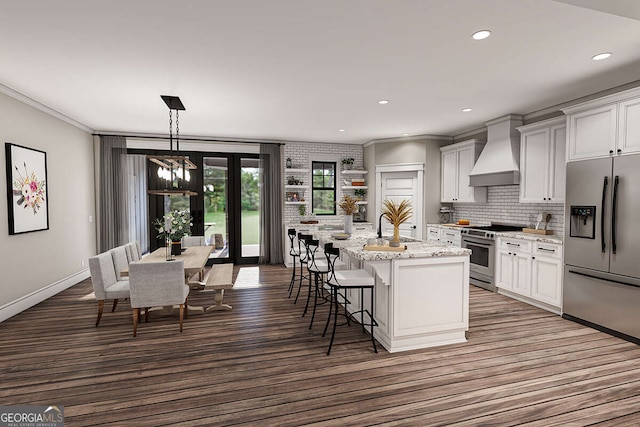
x: 300, y: 70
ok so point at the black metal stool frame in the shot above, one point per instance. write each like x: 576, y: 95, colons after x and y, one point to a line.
x: 304, y: 259
x: 294, y: 256
x: 332, y: 255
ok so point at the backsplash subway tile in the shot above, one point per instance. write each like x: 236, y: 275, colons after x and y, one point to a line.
x: 503, y: 206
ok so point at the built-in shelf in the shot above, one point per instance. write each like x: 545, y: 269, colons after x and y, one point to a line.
x: 293, y: 170
x: 354, y: 172
x: 300, y: 187
x: 295, y: 203
x: 354, y: 187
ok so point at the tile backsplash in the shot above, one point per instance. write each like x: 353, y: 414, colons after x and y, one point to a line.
x: 503, y: 206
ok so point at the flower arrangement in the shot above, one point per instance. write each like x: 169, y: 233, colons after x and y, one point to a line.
x: 348, y: 204
x: 396, y: 214
x: 30, y: 190
x: 174, y: 225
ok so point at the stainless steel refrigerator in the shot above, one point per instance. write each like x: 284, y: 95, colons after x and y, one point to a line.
x: 602, y: 245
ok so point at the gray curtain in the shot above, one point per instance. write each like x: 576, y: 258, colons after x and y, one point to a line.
x: 138, y: 200
x: 113, y: 206
x: 271, y: 251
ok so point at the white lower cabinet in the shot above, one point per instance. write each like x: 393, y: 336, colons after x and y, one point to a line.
x: 530, y: 271
x: 446, y: 235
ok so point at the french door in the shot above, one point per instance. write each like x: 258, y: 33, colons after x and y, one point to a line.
x: 226, y: 209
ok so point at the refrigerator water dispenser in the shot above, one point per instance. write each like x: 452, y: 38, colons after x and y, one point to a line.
x: 583, y: 222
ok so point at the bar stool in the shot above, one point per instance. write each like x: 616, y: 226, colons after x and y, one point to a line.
x: 344, y: 280
x: 318, y: 266
x: 295, y: 256
x: 304, y: 259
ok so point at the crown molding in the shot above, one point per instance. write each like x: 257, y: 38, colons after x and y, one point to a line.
x: 408, y: 138
x: 39, y: 106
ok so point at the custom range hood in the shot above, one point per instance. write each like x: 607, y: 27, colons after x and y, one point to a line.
x: 499, y: 161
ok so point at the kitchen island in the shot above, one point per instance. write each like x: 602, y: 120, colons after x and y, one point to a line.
x: 421, y: 294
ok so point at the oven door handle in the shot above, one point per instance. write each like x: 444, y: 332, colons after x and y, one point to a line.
x: 473, y: 242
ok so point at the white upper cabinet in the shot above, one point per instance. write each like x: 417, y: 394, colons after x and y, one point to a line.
x: 542, y: 161
x: 629, y: 126
x: 457, y: 160
x: 604, y: 127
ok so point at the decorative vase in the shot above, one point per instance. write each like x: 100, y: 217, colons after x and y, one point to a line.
x: 348, y: 224
x: 289, y: 163
x: 176, y: 247
x: 395, y: 242
x: 346, y: 166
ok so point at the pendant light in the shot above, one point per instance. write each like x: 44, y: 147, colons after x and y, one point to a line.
x: 174, y: 168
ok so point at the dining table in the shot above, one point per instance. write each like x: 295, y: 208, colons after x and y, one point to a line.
x: 194, y: 259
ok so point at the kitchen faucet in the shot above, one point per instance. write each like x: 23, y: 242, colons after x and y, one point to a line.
x: 380, y: 226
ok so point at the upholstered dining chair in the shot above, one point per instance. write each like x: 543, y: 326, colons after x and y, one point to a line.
x: 120, y: 261
x: 105, y: 284
x: 188, y: 241
x: 132, y: 251
x: 156, y: 284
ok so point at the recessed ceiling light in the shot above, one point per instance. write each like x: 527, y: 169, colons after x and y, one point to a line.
x: 405, y: 134
x: 383, y: 102
x: 341, y: 130
x: 481, y: 35
x: 601, y: 56
x: 466, y: 110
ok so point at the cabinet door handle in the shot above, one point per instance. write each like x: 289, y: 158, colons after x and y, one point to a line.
x: 533, y: 257
x: 548, y: 250
x: 513, y: 244
x: 604, y: 199
x: 614, y: 214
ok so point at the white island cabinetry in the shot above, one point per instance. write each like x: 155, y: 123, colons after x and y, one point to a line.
x: 421, y: 295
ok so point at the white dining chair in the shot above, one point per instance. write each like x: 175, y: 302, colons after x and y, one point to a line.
x: 156, y: 284
x: 105, y: 284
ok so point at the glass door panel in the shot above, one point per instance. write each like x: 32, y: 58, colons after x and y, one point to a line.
x: 250, y: 207
x: 216, y: 204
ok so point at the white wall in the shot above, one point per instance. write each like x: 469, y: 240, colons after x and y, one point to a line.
x: 38, y: 264
x: 420, y: 150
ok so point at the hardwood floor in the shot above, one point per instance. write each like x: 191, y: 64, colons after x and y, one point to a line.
x: 259, y: 364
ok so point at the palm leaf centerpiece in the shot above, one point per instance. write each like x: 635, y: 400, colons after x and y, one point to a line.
x: 396, y: 214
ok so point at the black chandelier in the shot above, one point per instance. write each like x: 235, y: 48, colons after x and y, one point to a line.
x: 174, y: 168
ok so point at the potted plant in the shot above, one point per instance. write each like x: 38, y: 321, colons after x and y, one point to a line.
x: 360, y: 193
x: 172, y: 227
x: 347, y: 162
x: 396, y: 214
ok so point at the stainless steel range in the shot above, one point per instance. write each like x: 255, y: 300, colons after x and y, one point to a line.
x: 481, y: 241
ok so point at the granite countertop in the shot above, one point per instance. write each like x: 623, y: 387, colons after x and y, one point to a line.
x: 414, y: 250
x: 556, y: 239
x: 544, y: 238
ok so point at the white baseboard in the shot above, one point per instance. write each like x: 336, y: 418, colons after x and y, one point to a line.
x: 21, y: 304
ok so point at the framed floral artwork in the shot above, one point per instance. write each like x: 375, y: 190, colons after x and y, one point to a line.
x: 27, y: 198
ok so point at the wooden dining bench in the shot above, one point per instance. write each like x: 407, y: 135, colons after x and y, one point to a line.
x: 220, y: 278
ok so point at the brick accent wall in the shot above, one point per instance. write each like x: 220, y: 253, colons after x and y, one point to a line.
x: 301, y: 157
x: 503, y: 206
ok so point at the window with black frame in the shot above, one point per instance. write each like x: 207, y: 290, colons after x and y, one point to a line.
x: 323, y: 194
